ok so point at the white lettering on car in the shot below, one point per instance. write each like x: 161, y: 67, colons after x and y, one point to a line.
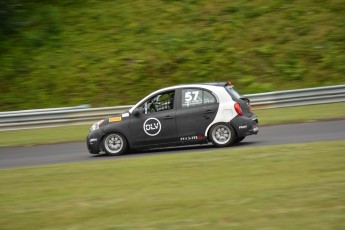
x: 189, y: 97
x: 152, y: 126
x: 125, y: 115
x: 192, y: 98
x: 191, y: 138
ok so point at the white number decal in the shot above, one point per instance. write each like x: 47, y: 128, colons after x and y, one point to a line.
x: 188, y: 96
x: 196, y: 93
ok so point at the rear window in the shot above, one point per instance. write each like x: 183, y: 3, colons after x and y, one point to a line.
x: 233, y: 92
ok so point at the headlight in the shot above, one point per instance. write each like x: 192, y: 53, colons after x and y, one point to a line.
x: 96, y: 125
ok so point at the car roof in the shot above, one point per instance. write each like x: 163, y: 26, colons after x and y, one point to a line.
x: 207, y: 85
x: 222, y: 84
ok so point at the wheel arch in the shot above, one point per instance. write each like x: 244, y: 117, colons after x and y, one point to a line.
x: 113, y: 131
x: 210, y: 128
x: 231, y: 139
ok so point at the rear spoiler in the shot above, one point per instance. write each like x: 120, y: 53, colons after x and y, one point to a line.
x: 229, y: 83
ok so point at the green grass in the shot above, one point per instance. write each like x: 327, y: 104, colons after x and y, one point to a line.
x: 297, y: 186
x: 301, y: 113
x: 65, y: 53
x: 79, y: 132
x: 44, y: 135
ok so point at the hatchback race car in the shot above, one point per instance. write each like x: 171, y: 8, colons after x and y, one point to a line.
x: 178, y: 115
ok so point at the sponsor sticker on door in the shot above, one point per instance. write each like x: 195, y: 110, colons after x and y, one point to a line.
x: 152, y: 126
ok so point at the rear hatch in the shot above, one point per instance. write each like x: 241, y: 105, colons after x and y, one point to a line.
x: 243, y: 102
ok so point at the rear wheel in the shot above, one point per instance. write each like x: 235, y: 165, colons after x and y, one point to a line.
x: 222, y: 135
x: 114, y: 144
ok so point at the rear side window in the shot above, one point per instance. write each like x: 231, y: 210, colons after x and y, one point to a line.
x: 209, y: 98
x: 196, y: 97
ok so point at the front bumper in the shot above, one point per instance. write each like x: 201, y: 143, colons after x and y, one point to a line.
x: 93, y: 142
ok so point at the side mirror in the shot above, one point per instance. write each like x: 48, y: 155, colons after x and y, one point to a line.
x: 138, y: 111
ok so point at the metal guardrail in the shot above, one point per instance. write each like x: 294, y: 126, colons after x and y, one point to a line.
x: 55, y: 117
x: 41, y: 118
x: 298, y: 97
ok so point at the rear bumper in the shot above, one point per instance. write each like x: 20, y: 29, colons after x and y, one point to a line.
x: 245, y: 126
x: 254, y: 130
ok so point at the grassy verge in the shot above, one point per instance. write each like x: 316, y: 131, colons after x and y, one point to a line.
x: 44, y: 135
x: 301, y: 113
x: 78, y: 133
x: 278, y: 187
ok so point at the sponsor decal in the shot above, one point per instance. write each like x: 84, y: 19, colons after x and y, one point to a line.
x: 114, y: 119
x: 192, y: 97
x: 152, y: 126
x: 93, y: 139
x: 243, y: 127
x: 125, y: 115
x: 191, y: 138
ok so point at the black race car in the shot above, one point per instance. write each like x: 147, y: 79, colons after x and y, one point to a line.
x: 178, y: 115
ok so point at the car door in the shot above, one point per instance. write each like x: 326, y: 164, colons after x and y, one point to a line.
x: 197, y: 108
x: 155, y: 124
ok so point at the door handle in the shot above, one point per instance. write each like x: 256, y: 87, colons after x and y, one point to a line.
x: 168, y: 117
x: 208, y: 111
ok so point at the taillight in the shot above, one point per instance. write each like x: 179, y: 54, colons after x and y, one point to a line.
x: 238, y: 109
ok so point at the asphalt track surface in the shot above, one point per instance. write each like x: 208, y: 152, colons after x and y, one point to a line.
x: 77, y: 152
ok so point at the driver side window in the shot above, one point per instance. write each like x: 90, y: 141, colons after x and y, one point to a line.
x: 160, y: 102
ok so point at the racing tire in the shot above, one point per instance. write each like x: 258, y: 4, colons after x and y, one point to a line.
x: 222, y: 135
x: 239, y: 139
x: 114, y: 144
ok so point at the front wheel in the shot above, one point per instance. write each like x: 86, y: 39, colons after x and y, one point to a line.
x: 222, y: 135
x: 114, y: 144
